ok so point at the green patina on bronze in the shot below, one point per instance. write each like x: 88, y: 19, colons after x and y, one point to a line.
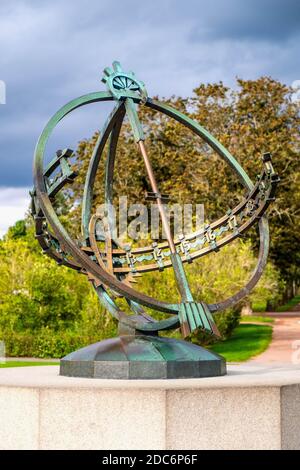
x: 112, y: 270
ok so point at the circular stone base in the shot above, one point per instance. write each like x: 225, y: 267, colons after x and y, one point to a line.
x: 142, y: 357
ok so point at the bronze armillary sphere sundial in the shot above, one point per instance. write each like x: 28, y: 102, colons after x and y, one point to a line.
x: 139, y: 352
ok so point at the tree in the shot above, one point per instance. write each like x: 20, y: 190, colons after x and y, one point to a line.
x: 46, y: 310
x: 259, y: 116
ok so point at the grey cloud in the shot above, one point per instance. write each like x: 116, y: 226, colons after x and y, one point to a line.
x: 267, y: 20
x: 53, y: 51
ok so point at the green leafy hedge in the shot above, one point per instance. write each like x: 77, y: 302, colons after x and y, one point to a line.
x: 46, y: 343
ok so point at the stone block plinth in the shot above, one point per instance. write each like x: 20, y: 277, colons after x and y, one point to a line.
x: 253, y: 407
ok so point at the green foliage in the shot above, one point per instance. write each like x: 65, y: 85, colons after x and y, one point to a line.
x: 18, y: 230
x: 46, y: 310
x: 34, y: 291
x: 291, y: 305
x: 45, y: 342
x: 259, y: 306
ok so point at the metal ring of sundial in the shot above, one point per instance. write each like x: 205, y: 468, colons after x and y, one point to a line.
x: 127, y: 91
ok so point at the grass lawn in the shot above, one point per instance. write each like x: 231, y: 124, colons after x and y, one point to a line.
x: 290, y: 304
x: 256, y: 319
x: 247, y: 341
x: 28, y: 363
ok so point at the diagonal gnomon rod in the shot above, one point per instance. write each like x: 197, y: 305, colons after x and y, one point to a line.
x: 180, y: 275
x: 191, y: 314
x: 175, y: 258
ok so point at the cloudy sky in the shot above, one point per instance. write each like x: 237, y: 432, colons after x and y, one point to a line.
x: 53, y: 51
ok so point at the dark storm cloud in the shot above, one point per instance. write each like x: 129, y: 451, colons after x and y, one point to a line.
x: 53, y: 51
x: 268, y: 20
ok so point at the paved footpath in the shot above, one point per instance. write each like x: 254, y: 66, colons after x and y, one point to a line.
x: 285, y: 345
